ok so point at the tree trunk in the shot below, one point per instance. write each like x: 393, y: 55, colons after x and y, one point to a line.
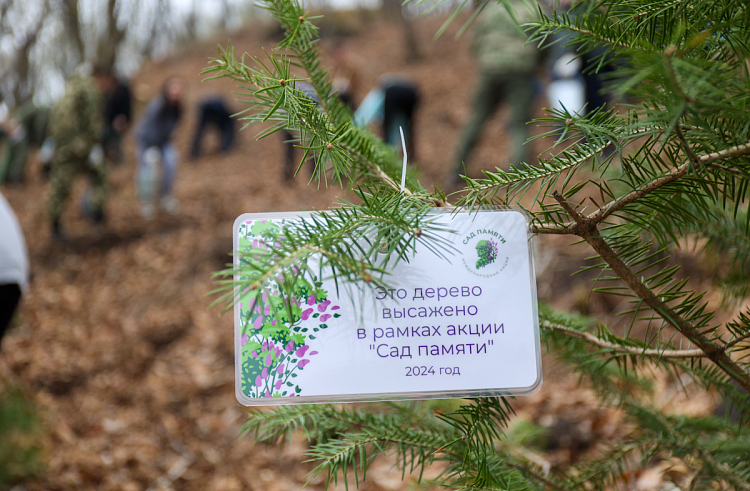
x: 21, y: 64
x: 107, y: 49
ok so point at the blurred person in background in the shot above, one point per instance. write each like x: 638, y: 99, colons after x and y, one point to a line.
x: 393, y: 102
x: 14, y: 265
x: 27, y: 128
x: 507, y: 72
x: 117, y: 113
x: 213, y: 111
x: 577, y: 79
x: 76, y: 127
x: 155, y: 175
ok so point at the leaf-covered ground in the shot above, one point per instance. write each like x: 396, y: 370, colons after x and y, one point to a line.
x: 133, y: 374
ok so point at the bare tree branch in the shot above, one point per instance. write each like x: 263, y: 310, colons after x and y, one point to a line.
x: 107, y: 48
x: 75, y: 26
x: 21, y: 63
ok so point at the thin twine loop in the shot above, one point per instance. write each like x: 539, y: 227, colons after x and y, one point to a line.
x: 403, y: 171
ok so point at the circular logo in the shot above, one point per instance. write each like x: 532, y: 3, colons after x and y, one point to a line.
x: 483, y: 254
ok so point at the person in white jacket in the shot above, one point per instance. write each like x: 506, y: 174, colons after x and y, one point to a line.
x: 14, y: 264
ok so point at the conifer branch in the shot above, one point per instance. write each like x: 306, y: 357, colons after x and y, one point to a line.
x: 726, y: 472
x: 660, y: 8
x: 737, y: 340
x: 586, y: 229
x: 619, y: 348
x: 682, y: 170
x: 535, y: 475
x: 727, y: 169
x: 668, y: 53
x: 676, y: 54
x: 590, y: 34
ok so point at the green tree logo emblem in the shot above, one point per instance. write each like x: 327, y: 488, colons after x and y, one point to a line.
x: 487, y: 252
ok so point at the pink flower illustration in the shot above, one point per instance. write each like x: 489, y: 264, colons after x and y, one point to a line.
x: 335, y: 307
x: 289, y: 346
x: 323, y: 306
x: 268, y: 394
x: 258, y: 322
x: 302, y: 363
x: 269, y: 360
x: 254, y: 354
x: 306, y: 314
x: 258, y: 381
x: 278, y: 385
x: 311, y: 300
x: 325, y: 317
x: 301, y: 350
x: 280, y: 370
x: 312, y: 353
x: 244, y: 340
x: 264, y: 374
x: 267, y: 310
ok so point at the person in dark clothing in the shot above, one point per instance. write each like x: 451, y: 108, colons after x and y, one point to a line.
x: 507, y: 71
x: 213, y: 111
x: 117, y: 114
x: 154, y: 131
x: 26, y: 129
x: 400, y: 100
x: 393, y: 101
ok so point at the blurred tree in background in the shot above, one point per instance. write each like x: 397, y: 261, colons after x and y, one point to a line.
x: 43, y: 41
x: 634, y: 183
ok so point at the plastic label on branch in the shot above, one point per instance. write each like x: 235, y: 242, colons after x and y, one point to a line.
x: 461, y: 325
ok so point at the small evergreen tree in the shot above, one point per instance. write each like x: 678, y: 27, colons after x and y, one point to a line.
x: 670, y: 167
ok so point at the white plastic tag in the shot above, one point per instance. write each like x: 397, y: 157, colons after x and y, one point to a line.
x: 461, y: 325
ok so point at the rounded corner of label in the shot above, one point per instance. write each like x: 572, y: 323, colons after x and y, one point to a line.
x: 239, y: 220
x: 535, y: 386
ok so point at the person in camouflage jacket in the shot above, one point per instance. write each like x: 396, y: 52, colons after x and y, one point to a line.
x: 507, y: 70
x: 76, y: 126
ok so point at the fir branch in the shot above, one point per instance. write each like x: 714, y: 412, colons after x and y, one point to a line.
x: 737, y: 340
x: 727, y: 169
x: 654, y: 10
x: 587, y: 230
x: 679, y: 172
x: 619, y: 348
x: 726, y: 473
x: 537, y: 476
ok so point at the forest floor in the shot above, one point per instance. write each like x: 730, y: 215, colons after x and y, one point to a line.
x: 134, y: 375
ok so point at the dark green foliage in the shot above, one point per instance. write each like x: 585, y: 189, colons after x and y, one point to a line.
x: 20, y: 437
